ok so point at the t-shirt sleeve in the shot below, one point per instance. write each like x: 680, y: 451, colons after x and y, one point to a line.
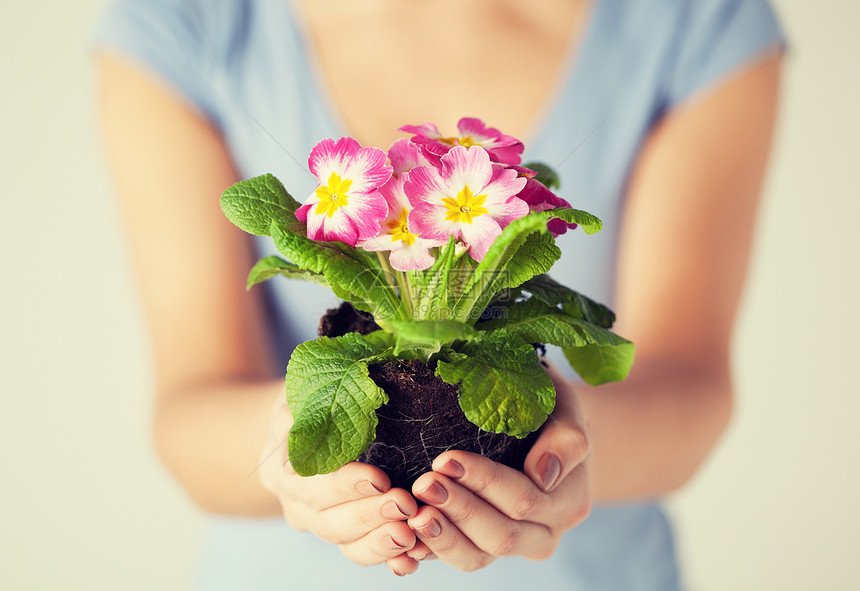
x: 166, y: 36
x: 720, y: 37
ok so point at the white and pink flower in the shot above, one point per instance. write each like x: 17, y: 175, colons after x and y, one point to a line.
x: 466, y: 197
x: 406, y: 155
x: 347, y: 205
x: 502, y: 148
x: 408, y: 252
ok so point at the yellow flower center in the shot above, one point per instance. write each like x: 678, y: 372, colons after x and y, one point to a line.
x: 465, y: 207
x: 399, y: 230
x: 333, y: 195
x: 466, y: 142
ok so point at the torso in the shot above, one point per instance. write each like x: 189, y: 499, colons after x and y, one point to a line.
x: 499, y: 60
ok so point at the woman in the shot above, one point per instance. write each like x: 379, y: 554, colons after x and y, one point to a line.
x: 657, y: 115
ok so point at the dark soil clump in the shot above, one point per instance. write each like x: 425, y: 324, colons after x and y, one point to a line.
x: 336, y: 322
x: 422, y: 418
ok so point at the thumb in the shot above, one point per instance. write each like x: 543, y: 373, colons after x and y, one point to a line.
x: 562, y: 444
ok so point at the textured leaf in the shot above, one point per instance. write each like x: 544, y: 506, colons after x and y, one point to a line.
x: 432, y: 285
x: 351, y: 274
x: 491, y: 276
x: 552, y: 293
x: 537, y: 255
x: 255, y: 203
x: 333, y: 402
x: 503, y: 387
x: 271, y: 266
x: 262, y: 206
x: 426, y: 337
x: 589, y: 223
x: 599, y: 364
x: 597, y: 354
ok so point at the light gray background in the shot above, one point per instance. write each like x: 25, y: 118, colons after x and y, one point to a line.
x: 84, y: 504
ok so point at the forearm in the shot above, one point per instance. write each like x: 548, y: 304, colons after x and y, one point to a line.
x: 650, y: 433
x: 211, y: 437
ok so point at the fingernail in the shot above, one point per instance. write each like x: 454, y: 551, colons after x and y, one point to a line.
x: 393, y: 544
x: 391, y: 510
x: 367, y: 488
x: 397, y: 573
x: 431, y: 530
x: 452, y: 469
x: 435, y: 494
x: 548, y: 470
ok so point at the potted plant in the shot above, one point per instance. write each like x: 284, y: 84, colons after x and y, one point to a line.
x: 441, y: 247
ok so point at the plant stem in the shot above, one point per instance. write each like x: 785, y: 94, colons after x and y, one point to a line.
x: 386, y: 269
x: 405, y: 295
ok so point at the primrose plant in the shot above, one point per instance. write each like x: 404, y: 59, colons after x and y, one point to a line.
x: 428, y: 238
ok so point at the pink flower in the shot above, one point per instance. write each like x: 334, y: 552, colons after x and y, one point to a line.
x: 405, y: 156
x: 501, y: 148
x: 467, y: 197
x: 540, y: 198
x: 347, y: 205
x: 408, y: 251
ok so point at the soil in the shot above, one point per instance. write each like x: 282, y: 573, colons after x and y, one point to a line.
x: 422, y: 418
x: 336, y: 322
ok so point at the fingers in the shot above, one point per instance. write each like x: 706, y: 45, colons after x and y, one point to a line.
x: 561, y: 446
x: 351, y: 482
x: 402, y: 565
x: 487, y: 528
x: 380, y: 545
x: 348, y: 522
x: 508, y: 490
x: 447, y: 542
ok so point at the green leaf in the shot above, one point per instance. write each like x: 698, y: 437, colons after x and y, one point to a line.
x: 271, y: 266
x: 432, y: 285
x: 545, y: 174
x: 426, y: 337
x: 490, y: 275
x: 380, y: 340
x: 597, y: 354
x: 255, y: 203
x: 537, y: 255
x: 599, y: 364
x: 262, y: 206
x: 552, y: 293
x: 589, y: 223
x: 351, y: 274
x: 333, y: 402
x: 503, y: 387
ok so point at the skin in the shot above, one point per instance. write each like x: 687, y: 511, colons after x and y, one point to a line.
x: 684, y: 249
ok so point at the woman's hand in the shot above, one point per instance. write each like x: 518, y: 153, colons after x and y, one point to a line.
x: 478, y: 509
x: 353, y: 507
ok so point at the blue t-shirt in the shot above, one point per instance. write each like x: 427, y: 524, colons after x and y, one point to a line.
x: 245, y: 64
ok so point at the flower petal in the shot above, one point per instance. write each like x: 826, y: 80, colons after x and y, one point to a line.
x: 302, y: 211
x: 367, y: 169
x: 414, y: 257
x: 426, y: 129
x: 405, y: 155
x: 476, y: 129
x: 479, y: 235
x: 462, y: 167
x: 425, y: 185
x: 395, y: 196
x: 366, y: 210
x: 428, y: 221
x: 339, y: 227
x: 383, y: 241
x: 328, y: 156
